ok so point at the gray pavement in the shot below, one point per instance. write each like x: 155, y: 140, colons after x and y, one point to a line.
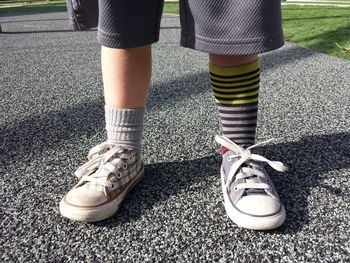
x: 51, y: 113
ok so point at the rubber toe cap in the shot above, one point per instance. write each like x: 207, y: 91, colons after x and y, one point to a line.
x: 85, y: 196
x: 259, y: 205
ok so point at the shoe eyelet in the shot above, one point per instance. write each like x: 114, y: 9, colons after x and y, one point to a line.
x: 125, y: 166
x: 235, y: 189
x: 112, y: 185
x: 119, y: 175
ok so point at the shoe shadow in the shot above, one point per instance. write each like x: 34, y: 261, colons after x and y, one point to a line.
x: 308, y: 159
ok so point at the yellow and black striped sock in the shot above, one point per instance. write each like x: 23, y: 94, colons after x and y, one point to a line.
x: 236, y: 92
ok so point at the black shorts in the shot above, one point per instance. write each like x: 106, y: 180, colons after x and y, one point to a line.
x: 226, y: 27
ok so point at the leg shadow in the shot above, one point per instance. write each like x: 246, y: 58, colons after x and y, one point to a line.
x: 308, y: 159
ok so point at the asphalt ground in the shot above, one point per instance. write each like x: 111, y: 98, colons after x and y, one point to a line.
x: 51, y: 114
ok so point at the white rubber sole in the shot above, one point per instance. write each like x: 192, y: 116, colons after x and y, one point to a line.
x: 248, y: 221
x: 97, y: 213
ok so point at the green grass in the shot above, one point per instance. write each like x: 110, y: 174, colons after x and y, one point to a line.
x: 318, y: 28
x: 341, y: 2
x: 171, y: 8
x: 315, y: 27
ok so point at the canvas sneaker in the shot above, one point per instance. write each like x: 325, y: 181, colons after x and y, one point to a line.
x: 250, y: 198
x: 105, y: 180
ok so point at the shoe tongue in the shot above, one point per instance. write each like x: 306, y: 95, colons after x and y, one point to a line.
x: 94, y: 186
x: 254, y: 191
x: 252, y: 179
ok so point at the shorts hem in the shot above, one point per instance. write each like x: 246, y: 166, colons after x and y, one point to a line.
x: 238, y: 47
x: 123, y: 41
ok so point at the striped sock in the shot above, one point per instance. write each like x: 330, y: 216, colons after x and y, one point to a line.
x: 236, y: 92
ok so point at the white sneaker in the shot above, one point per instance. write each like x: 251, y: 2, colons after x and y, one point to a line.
x: 105, y: 180
x: 250, y: 198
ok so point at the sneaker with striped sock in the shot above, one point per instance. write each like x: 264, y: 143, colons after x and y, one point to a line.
x: 250, y: 198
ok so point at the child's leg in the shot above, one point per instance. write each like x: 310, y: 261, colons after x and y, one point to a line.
x: 126, y: 30
x: 116, y: 167
x: 250, y: 198
x: 235, y: 83
x: 235, y: 30
x: 126, y: 77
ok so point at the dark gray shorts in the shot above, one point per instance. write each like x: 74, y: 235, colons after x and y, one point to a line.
x: 227, y: 27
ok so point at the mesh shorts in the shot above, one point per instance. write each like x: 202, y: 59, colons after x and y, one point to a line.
x: 226, y: 27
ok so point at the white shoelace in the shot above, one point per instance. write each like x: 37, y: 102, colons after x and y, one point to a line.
x: 244, y: 156
x: 99, y: 167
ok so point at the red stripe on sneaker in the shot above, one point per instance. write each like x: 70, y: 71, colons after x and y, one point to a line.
x: 224, y: 150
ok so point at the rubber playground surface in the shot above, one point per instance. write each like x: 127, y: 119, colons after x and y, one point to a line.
x: 51, y: 114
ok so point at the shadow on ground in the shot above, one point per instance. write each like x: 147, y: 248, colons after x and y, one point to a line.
x: 39, y: 31
x: 64, y: 31
x: 307, y: 158
x: 34, y: 135
x: 326, y: 40
x: 32, y: 20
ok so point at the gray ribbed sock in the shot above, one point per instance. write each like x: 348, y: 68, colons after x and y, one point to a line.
x: 124, y: 126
